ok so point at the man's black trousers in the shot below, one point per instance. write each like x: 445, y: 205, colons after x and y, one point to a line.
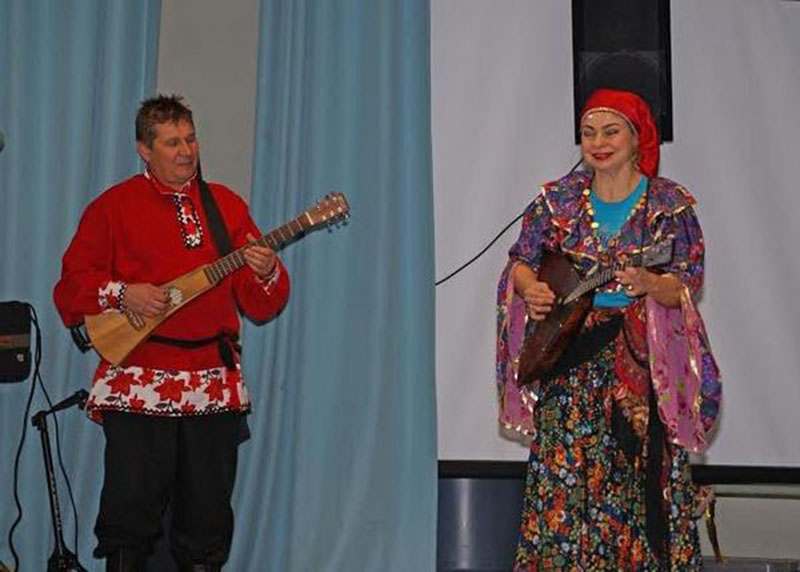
x: 189, y: 462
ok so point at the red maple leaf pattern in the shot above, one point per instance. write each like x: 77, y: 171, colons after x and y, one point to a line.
x: 102, y: 369
x: 171, y: 389
x: 136, y: 403
x: 195, y: 381
x: 214, y: 390
x: 121, y: 384
x: 165, y: 392
x: 231, y: 383
x: 147, y: 377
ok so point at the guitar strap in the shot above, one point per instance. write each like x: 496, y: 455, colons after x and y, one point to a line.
x: 227, y: 343
x: 219, y: 232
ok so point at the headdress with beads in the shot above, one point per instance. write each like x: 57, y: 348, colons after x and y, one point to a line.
x: 635, y: 111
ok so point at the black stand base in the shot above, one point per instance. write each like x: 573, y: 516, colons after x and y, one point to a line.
x: 64, y: 562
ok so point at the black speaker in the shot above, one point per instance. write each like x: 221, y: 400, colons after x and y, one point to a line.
x: 623, y: 44
x: 15, y: 342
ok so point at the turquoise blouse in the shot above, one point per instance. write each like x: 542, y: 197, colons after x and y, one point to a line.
x: 611, y: 217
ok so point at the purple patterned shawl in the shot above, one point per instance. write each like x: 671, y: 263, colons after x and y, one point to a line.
x: 683, y: 371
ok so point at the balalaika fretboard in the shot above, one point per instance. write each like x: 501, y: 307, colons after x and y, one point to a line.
x: 276, y: 239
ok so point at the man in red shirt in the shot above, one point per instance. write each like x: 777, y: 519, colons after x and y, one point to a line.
x: 172, y: 410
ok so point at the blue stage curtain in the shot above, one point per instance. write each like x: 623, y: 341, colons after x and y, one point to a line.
x: 71, y: 76
x: 340, y: 474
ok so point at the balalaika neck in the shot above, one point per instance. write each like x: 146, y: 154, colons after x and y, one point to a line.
x: 599, y: 278
x: 275, y: 239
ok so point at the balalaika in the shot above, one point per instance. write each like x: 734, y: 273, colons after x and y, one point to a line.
x: 115, y: 334
x: 574, y: 294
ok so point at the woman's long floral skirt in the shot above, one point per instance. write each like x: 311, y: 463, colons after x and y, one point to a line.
x: 584, y: 506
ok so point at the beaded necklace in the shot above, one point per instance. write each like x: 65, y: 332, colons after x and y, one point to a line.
x: 608, y: 241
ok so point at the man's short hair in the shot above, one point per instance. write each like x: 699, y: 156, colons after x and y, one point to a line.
x: 160, y: 109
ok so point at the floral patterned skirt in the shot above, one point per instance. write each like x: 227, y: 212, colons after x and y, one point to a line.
x: 584, y: 505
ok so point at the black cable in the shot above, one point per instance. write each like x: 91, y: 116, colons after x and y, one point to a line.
x: 485, y: 248
x: 38, y: 378
x: 25, y: 415
x: 495, y: 239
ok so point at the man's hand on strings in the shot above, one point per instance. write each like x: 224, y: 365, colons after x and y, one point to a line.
x: 261, y: 259
x: 145, y: 300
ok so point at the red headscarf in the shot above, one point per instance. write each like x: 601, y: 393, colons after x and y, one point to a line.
x: 636, y: 112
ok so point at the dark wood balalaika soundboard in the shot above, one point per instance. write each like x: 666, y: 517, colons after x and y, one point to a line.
x: 115, y: 334
x: 544, y: 345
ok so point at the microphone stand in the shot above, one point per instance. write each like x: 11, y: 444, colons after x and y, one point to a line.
x: 62, y: 560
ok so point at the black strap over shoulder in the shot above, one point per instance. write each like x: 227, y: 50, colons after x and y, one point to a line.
x: 226, y: 343
x: 219, y: 233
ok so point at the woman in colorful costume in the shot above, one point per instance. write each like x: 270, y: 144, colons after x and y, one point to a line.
x: 609, y: 484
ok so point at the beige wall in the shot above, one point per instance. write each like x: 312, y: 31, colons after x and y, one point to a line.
x: 208, y: 52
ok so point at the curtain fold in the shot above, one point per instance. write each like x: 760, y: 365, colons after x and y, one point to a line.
x: 71, y: 77
x: 341, y: 471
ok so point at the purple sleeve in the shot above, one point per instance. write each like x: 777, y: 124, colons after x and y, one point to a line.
x: 515, y: 403
x: 688, y: 248
x: 535, y: 235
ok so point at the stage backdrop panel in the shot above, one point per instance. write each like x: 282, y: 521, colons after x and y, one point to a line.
x: 502, y: 125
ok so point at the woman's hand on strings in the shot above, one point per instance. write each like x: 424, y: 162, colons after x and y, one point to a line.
x: 635, y: 281
x: 539, y: 300
x: 538, y: 296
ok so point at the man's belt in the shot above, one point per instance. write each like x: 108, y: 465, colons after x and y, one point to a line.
x: 227, y: 344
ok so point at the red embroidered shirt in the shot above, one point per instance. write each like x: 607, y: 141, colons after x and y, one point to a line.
x: 143, y: 231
